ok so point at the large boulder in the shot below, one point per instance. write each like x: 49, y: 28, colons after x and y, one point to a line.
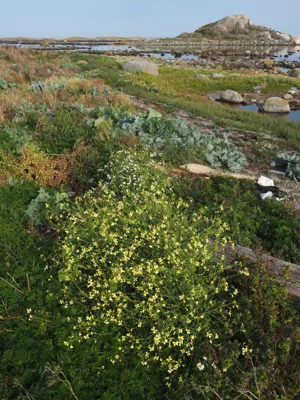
x: 294, y: 73
x: 284, y: 36
x: 239, y: 27
x: 296, y: 41
x: 141, y: 66
x: 230, y: 96
x: 234, y: 24
x: 275, y: 105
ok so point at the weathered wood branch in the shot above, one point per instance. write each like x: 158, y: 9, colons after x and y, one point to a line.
x: 277, y: 266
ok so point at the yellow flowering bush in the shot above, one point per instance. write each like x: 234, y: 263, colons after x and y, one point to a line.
x: 145, y: 269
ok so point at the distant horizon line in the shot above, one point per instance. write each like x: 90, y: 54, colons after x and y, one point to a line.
x: 80, y: 37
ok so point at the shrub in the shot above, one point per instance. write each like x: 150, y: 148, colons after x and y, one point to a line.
x: 270, y: 224
x: 33, y: 165
x: 131, y: 252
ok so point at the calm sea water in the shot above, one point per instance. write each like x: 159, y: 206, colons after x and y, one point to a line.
x: 281, y: 53
x: 292, y: 116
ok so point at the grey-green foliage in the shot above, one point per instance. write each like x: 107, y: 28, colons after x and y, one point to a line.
x: 5, y: 85
x: 14, y: 139
x: 69, y: 66
x: 42, y: 86
x: 36, y: 208
x: 82, y: 108
x: 26, y: 109
x: 293, y: 166
x: 185, y: 141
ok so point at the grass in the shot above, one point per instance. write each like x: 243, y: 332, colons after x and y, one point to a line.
x: 177, y: 88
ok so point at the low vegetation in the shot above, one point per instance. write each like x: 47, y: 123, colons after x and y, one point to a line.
x: 113, y: 284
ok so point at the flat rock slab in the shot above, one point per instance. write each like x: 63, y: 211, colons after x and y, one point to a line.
x: 207, y: 172
x: 197, y: 169
x: 141, y: 66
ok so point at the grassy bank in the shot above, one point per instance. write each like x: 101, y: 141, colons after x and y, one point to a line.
x: 176, y: 87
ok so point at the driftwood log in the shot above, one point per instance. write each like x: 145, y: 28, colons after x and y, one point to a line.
x: 279, y: 268
x: 274, y: 265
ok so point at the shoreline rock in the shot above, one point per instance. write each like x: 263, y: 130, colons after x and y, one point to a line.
x: 275, y: 105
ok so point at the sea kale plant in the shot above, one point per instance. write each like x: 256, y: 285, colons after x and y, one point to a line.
x: 178, y: 140
x: 293, y: 165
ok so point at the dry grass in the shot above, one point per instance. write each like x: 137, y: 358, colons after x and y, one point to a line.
x: 19, y: 65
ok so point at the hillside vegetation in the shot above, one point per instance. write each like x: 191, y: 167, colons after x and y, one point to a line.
x: 112, y: 279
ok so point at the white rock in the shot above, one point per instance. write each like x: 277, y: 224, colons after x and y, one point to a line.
x: 196, y: 169
x: 288, y: 97
x: 275, y: 105
x: 296, y: 40
x: 142, y: 66
x: 267, y: 195
x: 202, y: 77
x: 230, y: 96
x: 217, y: 76
x: 264, y: 181
x: 285, y: 37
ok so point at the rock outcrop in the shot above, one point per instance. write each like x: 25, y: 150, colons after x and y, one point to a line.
x: 234, y: 24
x: 239, y: 27
x: 141, y: 66
x: 296, y: 40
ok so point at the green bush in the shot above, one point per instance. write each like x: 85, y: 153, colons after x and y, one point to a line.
x: 269, y: 224
x: 128, y: 300
x: 148, y: 260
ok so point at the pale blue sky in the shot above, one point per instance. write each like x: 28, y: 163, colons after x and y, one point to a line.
x: 159, y: 18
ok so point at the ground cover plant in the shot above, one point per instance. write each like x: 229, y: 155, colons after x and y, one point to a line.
x: 112, y: 282
x: 185, y: 93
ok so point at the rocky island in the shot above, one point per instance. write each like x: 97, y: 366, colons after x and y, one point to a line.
x: 238, y: 27
x: 233, y: 31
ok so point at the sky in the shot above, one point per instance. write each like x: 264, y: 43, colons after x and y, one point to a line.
x: 152, y: 18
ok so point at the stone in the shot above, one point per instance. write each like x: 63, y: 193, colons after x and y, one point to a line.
x: 240, y: 28
x: 268, y: 62
x: 253, y: 101
x: 202, y: 77
x: 230, y: 96
x: 197, y: 169
x: 233, y: 24
x: 265, y: 36
x: 285, y: 37
x: 217, y: 76
x: 256, y: 88
x: 296, y: 41
x: 214, y: 97
x: 288, y: 97
x: 141, y: 66
x: 295, y: 73
x: 275, y: 105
